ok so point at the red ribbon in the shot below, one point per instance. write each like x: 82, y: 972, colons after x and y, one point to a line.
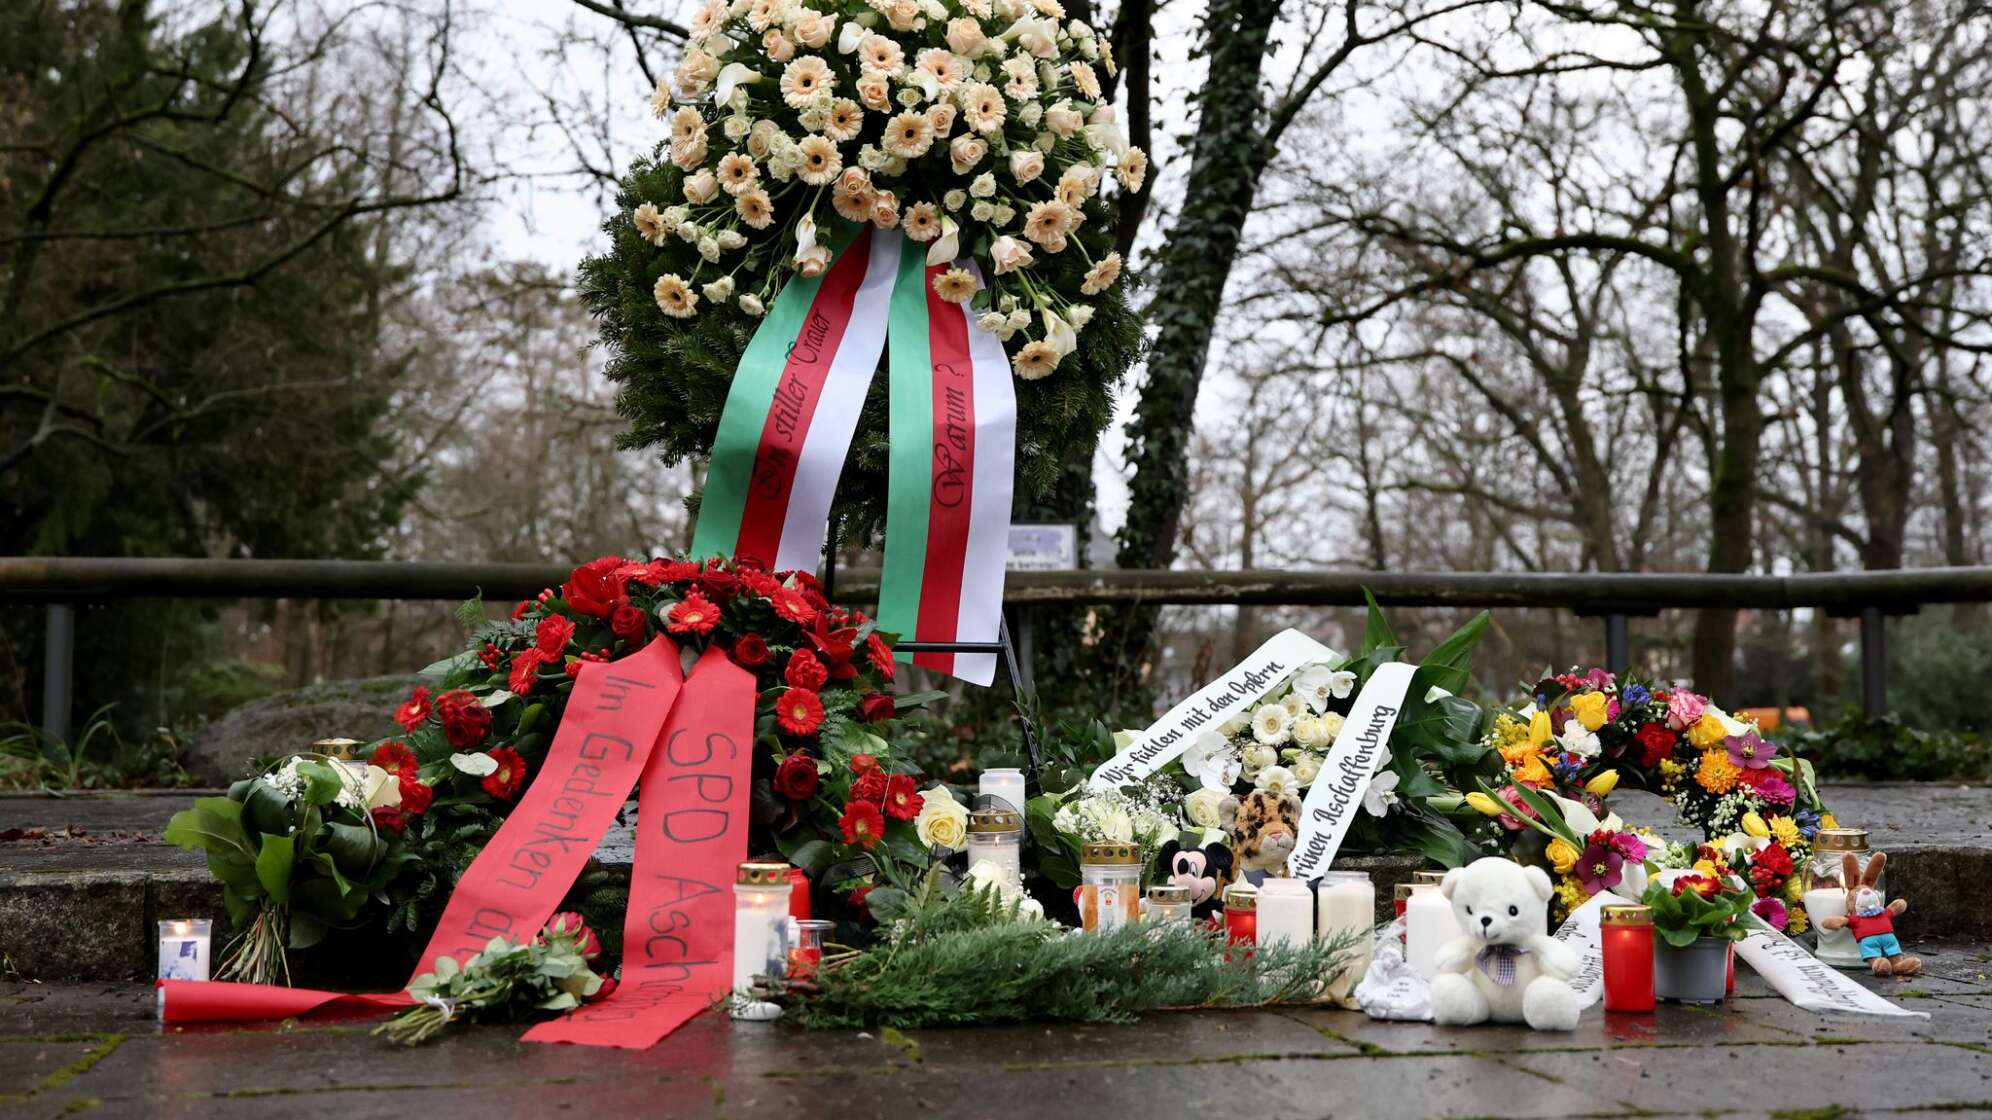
x: 678, y: 937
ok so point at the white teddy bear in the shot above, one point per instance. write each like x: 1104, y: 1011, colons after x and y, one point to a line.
x: 1505, y: 968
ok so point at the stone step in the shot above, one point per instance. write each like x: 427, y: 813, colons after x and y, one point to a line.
x: 84, y: 878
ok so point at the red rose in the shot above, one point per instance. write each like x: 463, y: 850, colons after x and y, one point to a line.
x: 799, y: 711
x: 902, y: 798
x: 863, y: 764
x: 694, y: 614
x: 876, y: 706
x: 596, y: 588
x: 629, y: 624
x: 394, y: 757
x: 525, y: 672
x: 862, y: 823
x: 389, y: 819
x: 719, y: 585
x: 465, y: 721
x: 796, y: 778
x: 870, y: 787
x: 880, y: 655
x: 750, y: 651
x: 552, y: 635
x: 1658, y: 744
x: 805, y: 671
x: 572, y: 926
x: 415, y: 795
x: 504, y: 783
x: 411, y: 714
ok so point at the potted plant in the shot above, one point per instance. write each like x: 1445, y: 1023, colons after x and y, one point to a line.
x: 1697, y: 917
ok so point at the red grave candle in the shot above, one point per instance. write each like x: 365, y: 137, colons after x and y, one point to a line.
x: 1241, y: 914
x: 1626, y: 935
x: 798, y: 894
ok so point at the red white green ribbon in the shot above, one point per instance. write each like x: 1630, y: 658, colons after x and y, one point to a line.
x: 953, y: 448
x: 793, y: 409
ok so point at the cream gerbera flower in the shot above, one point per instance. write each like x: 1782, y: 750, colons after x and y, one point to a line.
x: 737, y: 172
x: 922, y: 221
x: 755, y: 208
x: 649, y: 223
x: 763, y: 13
x: 1102, y: 275
x: 1087, y: 81
x: 881, y: 55
x: 675, y: 297
x: 982, y: 107
x: 909, y: 135
x: 1023, y: 77
x: 1077, y: 185
x: 710, y: 18
x: 1132, y: 170
x: 804, y: 79
x: 1035, y: 360
x: 660, y: 101
x: 846, y: 118
x: 820, y: 161
x: 1048, y: 222
x: 956, y: 285
x: 687, y: 126
x: 942, y: 65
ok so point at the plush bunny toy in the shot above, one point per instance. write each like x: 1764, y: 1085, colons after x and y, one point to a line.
x: 1871, y: 918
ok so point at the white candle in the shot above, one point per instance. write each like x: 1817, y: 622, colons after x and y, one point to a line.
x: 1428, y: 925
x: 1346, y: 903
x: 183, y: 948
x: 1286, y: 913
x: 1004, y: 783
x: 1833, y: 946
x: 760, y: 935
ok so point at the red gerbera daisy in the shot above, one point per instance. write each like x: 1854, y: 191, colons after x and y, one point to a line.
x: 799, y: 711
x: 694, y: 614
x: 411, y: 714
x: 880, y: 655
x: 394, y: 757
x: 790, y: 604
x: 525, y: 671
x: 902, y: 798
x: 505, y: 782
x: 862, y: 823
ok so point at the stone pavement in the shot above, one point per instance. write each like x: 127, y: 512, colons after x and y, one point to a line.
x: 95, y: 1050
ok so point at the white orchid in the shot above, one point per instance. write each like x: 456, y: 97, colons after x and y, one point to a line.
x: 1320, y: 683
x: 1212, y: 760
x: 1382, y: 791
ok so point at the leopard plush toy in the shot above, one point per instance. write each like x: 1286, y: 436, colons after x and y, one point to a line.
x: 1264, y: 827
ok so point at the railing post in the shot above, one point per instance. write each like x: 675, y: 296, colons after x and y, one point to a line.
x: 58, y: 669
x: 1618, y: 643
x: 1874, y: 662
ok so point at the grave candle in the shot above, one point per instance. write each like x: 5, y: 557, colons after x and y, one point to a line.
x: 1428, y: 923
x: 183, y: 948
x: 1241, y: 914
x: 997, y: 836
x: 1006, y: 784
x: 1626, y: 942
x: 1346, y: 903
x: 760, y: 934
x: 1286, y: 913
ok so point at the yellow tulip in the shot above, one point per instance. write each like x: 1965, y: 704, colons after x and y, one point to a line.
x: 1485, y: 804
x: 1754, y: 825
x: 1539, y: 732
x: 1590, y: 708
x: 1602, y: 784
x: 1562, y: 855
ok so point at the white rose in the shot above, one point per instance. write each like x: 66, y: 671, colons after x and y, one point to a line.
x: 1308, y: 732
x: 1257, y: 757
x: 942, y: 820
x: 1331, y: 724
x: 983, y: 187
x: 1200, y: 807
x: 1306, y: 768
x: 1235, y: 726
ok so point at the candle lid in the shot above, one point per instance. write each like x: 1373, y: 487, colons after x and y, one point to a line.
x: 1168, y: 894
x: 757, y: 874
x: 1003, y: 770
x: 337, y: 748
x: 1345, y: 877
x: 1110, y: 852
x: 1402, y: 891
x: 1841, y: 840
x: 1627, y: 914
x: 1428, y: 878
x: 1292, y: 887
x: 1242, y: 897
x: 996, y: 820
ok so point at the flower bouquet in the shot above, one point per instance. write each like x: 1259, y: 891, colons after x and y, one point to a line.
x: 506, y: 981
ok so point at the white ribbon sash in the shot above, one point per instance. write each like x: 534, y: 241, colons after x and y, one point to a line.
x: 1337, y: 794
x: 1809, y: 982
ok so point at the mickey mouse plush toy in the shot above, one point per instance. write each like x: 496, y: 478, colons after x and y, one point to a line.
x: 1203, y: 871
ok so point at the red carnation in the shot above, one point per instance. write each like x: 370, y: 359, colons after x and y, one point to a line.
x: 902, y: 798
x: 805, y: 671
x: 389, y: 819
x: 694, y: 614
x: 504, y: 783
x: 796, y: 778
x: 750, y: 651
x: 629, y: 624
x: 1658, y: 744
x: 411, y: 714
x: 757, y: 582
x: 522, y: 607
x: 394, y: 757
x: 870, y: 786
x: 596, y: 588
x: 876, y: 706
x: 525, y: 671
x: 799, y: 711
x: 862, y: 823
x: 880, y: 655
x: 550, y: 638
x: 415, y: 795
x: 465, y: 721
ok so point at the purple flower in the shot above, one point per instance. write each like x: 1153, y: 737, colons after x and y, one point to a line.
x: 1774, y: 790
x: 1750, y: 751
x: 1634, y: 695
x: 1773, y: 912
x: 1600, y: 868
x: 1630, y: 846
x: 1598, y: 679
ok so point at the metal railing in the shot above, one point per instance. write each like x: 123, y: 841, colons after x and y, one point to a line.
x: 63, y: 582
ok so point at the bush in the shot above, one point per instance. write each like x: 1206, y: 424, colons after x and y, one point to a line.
x: 1938, y: 671
x: 1888, y: 750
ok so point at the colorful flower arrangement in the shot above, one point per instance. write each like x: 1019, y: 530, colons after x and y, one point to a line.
x: 1585, y: 733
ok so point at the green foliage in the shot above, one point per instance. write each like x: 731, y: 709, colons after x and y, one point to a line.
x: 1887, y: 749
x: 1938, y: 666
x: 98, y: 757
x: 1680, y: 919
x: 504, y: 982
x: 967, y: 960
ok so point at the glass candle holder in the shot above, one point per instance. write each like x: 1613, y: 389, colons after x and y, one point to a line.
x: 760, y: 934
x: 805, y: 957
x: 1826, y: 895
x: 1241, y: 914
x: 1626, y: 939
x: 1109, y: 884
x: 1428, y: 923
x: 1169, y: 903
x: 1286, y: 913
x: 184, y: 945
x: 1006, y: 784
x: 1345, y: 903
x: 997, y: 836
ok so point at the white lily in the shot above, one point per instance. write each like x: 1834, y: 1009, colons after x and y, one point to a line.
x: 947, y: 246
x: 1059, y: 333
x: 805, y: 234
x: 1581, y: 820
x: 735, y: 75
x: 851, y: 36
